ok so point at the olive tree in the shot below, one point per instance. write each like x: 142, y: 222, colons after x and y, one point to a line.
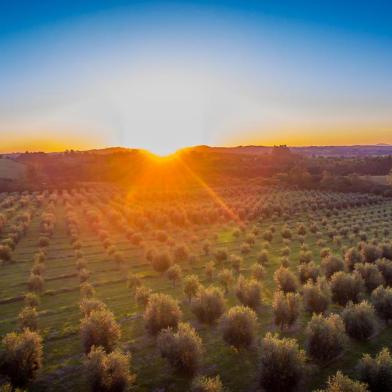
x: 377, y: 371
x: 108, y: 372
x: 359, y: 320
x: 22, y: 357
x: 162, y: 311
x: 99, y: 328
x: 286, y: 308
x: 316, y: 296
x: 183, y: 348
x: 283, y: 364
x: 325, y: 337
x: 248, y: 291
x: 239, y: 327
x: 208, y: 305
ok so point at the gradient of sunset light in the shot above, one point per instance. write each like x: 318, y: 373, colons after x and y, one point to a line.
x: 164, y: 75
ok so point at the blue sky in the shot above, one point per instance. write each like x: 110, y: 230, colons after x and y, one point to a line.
x: 162, y: 75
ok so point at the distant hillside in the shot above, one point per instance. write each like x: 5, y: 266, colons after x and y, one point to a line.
x: 345, y: 151
x: 11, y: 170
x: 316, y: 151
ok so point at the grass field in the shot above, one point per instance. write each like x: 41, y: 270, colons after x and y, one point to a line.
x: 59, y: 314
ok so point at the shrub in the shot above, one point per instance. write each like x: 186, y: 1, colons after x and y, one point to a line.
x: 371, y: 275
x: 331, y: 264
x: 236, y: 263
x: 108, y: 372
x: 286, y: 308
x: 325, y: 337
x: 377, y: 371
x: 385, y: 267
x: 174, y: 274
x: 142, y: 295
x: 370, y: 253
x: 359, y: 320
x: 282, y: 364
x: 181, y: 253
x: 305, y: 257
x: 262, y: 257
x: 183, y: 349
x: 87, y: 290
x: 99, y: 329
x: 22, y: 357
x: 257, y: 271
x: 239, y: 327
x: 31, y: 299
x: 245, y: 248
x: 209, y: 269
x: 161, y: 262
x: 220, y: 256
x: 208, y: 305
x: 351, y: 258
x: 308, y: 271
x: 346, y: 287
x: 36, y: 283
x: 286, y: 233
x: 28, y: 318
x: 382, y: 300
x: 162, y: 311
x: 248, y: 291
x: 84, y: 274
x: 38, y: 269
x: 316, y: 296
x: 342, y: 383
x: 285, y: 280
x: 207, y: 384
x: 226, y: 279
x: 191, y: 286
x: 43, y: 241
x: 325, y: 252
x: 88, y: 305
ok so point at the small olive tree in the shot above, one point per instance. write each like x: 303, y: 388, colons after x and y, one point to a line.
x: 377, y: 371
x: 346, y: 287
x: 183, y: 348
x: 239, y: 327
x: 108, y: 372
x: 191, y: 286
x: 382, y: 300
x: 99, y: 329
x: 283, y: 365
x: 359, y: 320
x: 22, y: 357
x: 162, y: 311
x: 285, y: 280
x: 208, y: 305
x: 316, y: 296
x: 325, y: 337
x: 286, y: 308
x: 341, y: 383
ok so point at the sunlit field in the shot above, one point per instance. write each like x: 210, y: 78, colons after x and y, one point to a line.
x: 120, y: 248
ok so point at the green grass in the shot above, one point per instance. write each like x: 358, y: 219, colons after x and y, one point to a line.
x: 60, y: 316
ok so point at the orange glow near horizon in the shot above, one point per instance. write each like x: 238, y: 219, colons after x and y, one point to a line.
x: 306, y: 135
x: 299, y: 136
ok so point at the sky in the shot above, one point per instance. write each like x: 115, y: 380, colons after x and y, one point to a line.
x: 163, y: 75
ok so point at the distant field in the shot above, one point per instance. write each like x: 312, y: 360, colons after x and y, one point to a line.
x: 379, y: 180
x: 59, y: 315
x: 10, y: 169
